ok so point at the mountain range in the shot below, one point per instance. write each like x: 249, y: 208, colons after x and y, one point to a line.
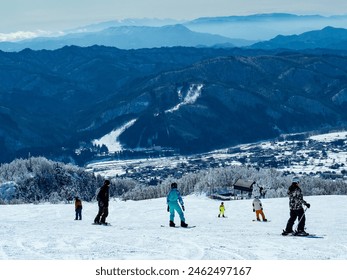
x: 226, y: 32
x: 54, y: 103
x: 124, y: 37
x: 327, y: 38
x: 137, y: 37
x: 260, y: 27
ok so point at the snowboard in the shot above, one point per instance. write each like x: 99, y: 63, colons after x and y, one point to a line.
x: 261, y: 221
x: 106, y: 224
x: 310, y: 235
x: 178, y: 226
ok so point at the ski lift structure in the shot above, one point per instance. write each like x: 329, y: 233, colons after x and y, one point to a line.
x: 241, y: 189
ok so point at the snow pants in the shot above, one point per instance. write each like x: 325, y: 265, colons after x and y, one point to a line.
x: 78, y: 213
x: 221, y: 213
x: 259, y: 213
x: 102, y: 215
x: 296, y: 214
x: 174, y: 206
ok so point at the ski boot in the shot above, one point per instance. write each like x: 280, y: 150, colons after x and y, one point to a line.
x: 286, y: 232
x: 183, y: 224
x: 301, y: 233
x: 172, y: 224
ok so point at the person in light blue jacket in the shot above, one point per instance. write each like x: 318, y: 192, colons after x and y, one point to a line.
x: 174, y: 203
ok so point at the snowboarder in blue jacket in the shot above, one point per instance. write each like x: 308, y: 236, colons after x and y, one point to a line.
x: 174, y: 203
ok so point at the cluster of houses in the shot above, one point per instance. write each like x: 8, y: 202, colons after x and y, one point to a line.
x: 327, y: 159
x: 317, y: 158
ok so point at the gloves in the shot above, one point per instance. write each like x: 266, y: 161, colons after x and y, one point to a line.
x: 308, y: 205
x: 253, y: 210
x: 168, y: 208
x: 183, y: 208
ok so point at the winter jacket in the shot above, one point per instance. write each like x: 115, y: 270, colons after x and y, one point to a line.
x: 78, y: 204
x: 222, y: 208
x: 103, y: 196
x: 296, y: 199
x: 174, y: 196
x: 257, y: 204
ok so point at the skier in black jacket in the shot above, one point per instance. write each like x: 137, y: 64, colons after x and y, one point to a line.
x: 296, y: 201
x: 103, y: 198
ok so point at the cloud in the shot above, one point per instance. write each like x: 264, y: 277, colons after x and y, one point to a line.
x: 22, y: 35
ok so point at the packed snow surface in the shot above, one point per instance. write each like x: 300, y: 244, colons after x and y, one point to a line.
x: 49, y: 231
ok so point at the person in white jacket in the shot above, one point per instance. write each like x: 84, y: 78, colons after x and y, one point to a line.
x: 258, y: 209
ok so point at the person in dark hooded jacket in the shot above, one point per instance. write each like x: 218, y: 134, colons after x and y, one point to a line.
x: 103, y: 199
x: 296, y: 202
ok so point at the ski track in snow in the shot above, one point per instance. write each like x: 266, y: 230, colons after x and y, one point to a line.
x: 49, y: 231
x: 193, y: 94
x: 110, y: 140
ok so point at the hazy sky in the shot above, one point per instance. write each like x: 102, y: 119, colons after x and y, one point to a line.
x: 53, y: 15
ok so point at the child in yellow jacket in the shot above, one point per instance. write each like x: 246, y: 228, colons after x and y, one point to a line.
x: 221, y: 210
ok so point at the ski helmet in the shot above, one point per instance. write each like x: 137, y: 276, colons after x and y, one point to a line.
x: 296, y: 180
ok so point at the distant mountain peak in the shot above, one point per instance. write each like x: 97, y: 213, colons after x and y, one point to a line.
x: 327, y: 38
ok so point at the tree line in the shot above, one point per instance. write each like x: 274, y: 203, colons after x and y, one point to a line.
x: 38, y: 179
x: 221, y: 180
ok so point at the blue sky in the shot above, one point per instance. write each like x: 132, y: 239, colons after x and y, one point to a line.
x: 54, y: 15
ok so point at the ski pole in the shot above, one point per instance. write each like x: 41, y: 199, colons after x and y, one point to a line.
x: 301, y: 219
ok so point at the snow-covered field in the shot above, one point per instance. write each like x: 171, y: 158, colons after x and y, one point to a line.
x: 49, y: 231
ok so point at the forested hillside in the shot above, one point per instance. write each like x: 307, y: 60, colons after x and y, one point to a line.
x: 37, y: 180
x: 190, y: 100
